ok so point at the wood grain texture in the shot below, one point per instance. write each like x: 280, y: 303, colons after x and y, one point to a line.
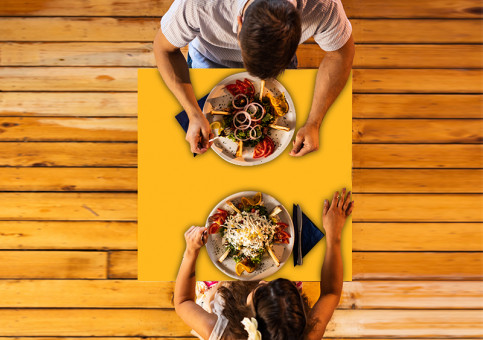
x: 62, y: 235
x: 424, y: 131
x: 121, y: 264
x: 417, y: 156
x: 68, y: 104
x: 144, y: 294
x: 125, y: 79
x: 418, y: 208
x: 68, y: 129
x: 365, y: 266
x: 69, y: 206
x: 416, y: 266
x: 417, y: 181
x: 417, y: 237
x: 310, y: 55
x: 417, y: 81
x: 68, y: 179
x: 68, y: 154
x: 144, y: 29
x: 417, y: 106
x: 152, y: 322
x: 398, y: 56
x: 52, y: 265
x: 353, y: 8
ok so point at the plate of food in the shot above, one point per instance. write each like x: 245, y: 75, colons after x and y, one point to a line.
x: 250, y: 235
x: 253, y: 120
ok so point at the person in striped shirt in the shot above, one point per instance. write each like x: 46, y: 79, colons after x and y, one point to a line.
x: 261, y: 36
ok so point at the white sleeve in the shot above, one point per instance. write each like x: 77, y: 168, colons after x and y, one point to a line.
x: 180, y: 25
x: 335, y: 29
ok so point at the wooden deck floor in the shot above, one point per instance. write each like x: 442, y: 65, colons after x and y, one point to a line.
x: 68, y: 171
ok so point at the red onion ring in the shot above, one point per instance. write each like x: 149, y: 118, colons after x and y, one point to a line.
x: 254, y: 128
x: 252, y: 114
x: 238, y: 96
x: 242, y: 124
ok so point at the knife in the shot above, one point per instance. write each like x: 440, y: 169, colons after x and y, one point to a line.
x: 299, y: 241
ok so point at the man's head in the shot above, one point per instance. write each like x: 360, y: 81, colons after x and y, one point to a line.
x: 269, y: 36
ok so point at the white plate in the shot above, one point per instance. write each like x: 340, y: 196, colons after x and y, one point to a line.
x: 266, y: 267
x: 219, y: 98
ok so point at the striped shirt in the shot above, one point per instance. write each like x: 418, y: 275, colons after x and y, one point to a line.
x: 210, y: 28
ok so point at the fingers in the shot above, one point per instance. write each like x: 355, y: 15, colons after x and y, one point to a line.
x: 297, y: 144
x: 326, y: 207
x: 205, y: 137
x: 349, y: 211
x: 335, y: 200
x: 341, y: 199
x: 347, y: 201
x: 305, y: 150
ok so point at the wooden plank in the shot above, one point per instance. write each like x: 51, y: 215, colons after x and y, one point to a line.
x: 145, y: 294
x: 430, y: 237
x: 68, y: 79
x: 125, y: 79
x: 152, y: 322
x: 417, y: 81
x: 309, y: 55
x: 424, y: 131
x: 68, y: 179
x: 68, y: 104
x: 125, y: 104
x: 417, y: 106
x: 416, y: 266
x: 417, y: 181
x: 68, y: 129
x: 418, y: 208
x: 413, y: 31
x: 39, y: 154
x: 417, y: 156
x: 366, y: 266
x: 68, y: 206
x: 122, y: 264
x: 67, y: 235
x: 353, y: 8
x: 52, y: 265
x: 122, y: 207
x: 397, y: 56
x: 379, y: 31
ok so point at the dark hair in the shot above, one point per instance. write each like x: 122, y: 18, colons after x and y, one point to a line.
x: 269, y: 37
x: 280, y: 310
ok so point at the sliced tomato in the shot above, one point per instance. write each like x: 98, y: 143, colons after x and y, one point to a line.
x: 260, y: 149
x: 281, y: 224
x: 284, y: 240
x: 233, y: 89
x: 270, y: 146
x: 213, y: 228
x: 283, y: 234
x: 242, y: 86
x: 222, y: 212
x: 251, y: 88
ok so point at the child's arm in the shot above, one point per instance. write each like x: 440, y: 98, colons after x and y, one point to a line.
x: 331, y: 276
x: 184, y: 292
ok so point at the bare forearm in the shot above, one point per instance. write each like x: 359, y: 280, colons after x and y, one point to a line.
x: 174, y: 70
x: 331, y: 79
x: 332, y: 270
x: 186, y: 279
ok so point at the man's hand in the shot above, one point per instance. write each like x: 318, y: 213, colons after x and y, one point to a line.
x: 334, y: 216
x: 199, y: 134
x: 307, y: 140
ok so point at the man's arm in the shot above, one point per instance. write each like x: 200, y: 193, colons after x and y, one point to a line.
x: 173, y: 68
x: 184, y: 292
x: 331, y: 79
x: 332, y: 272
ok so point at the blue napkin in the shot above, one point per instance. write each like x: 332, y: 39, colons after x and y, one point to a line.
x: 311, y: 235
x: 183, y: 119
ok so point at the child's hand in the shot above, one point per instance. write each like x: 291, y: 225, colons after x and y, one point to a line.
x: 334, y: 216
x: 196, y: 238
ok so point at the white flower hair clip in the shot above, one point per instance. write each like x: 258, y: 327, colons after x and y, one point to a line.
x: 251, y: 326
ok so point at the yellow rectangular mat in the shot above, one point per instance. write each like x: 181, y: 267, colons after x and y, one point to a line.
x: 177, y: 190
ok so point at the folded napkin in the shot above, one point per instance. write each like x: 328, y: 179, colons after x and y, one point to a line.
x: 183, y: 119
x: 311, y: 235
